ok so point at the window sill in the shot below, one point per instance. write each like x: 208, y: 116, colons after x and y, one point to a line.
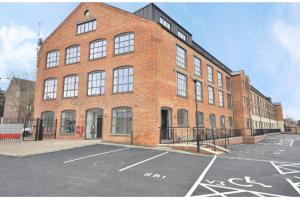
x: 122, y: 135
x: 185, y: 97
x: 121, y: 54
x: 95, y: 59
x: 52, y: 67
x: 69, y: 97
x: 71, y: 63
x: 49, y: 99
x: 120, y: 93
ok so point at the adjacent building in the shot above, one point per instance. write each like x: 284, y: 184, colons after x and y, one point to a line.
x: 19, y: 99
x: 106, y: 73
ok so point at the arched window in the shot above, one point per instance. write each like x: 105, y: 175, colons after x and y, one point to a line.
x: 182, y: 117
x: 71, y: 86
x: 230, y: 120
x: 73, y: 54
x: 199, y: 119
x: 212, y: 121
x: 98, y: 49
x: 222, y: 121
x: 123, y: 79
x: 96, y: 83
x: 121, y: 121
x: 48, y: 121
x: 52, y: 59
x: 68, y: 122
x: 50, y: 88
x: 124, y: 43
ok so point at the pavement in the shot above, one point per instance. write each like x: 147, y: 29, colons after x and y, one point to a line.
x: 27, y: 148
x: 269, y: 168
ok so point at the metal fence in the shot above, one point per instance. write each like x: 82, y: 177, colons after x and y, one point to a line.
x: 13, y: 129
x: 202, y: 137
x: 256, y: 132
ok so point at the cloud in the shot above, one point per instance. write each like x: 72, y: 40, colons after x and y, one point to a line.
x: 288, y: 37
x: 17, y: 51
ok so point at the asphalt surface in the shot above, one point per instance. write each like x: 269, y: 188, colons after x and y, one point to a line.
x: 270, y: 168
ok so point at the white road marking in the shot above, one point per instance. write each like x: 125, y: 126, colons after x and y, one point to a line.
x: 291, y: 144
x: 275, y: 166
x: 239, y: 158
x: 120, y: 170
x: 98, y: 154
x: 294, y: 185
x: 282, y: 168
x: 198, y: 181
x: 236, y: 190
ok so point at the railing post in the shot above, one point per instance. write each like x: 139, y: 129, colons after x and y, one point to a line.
x: 198, y: 141
x: 37, y: 129
x: 55, y: 127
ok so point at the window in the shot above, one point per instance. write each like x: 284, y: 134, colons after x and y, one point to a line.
x: 96, y: 82
x: 180, y: 57
x: 52, y: 59
x: 68, y: 121
x: 197, y: 66
x: 199, y: 119
x: 211, y: 95
x: 228, y: 84
x: 97, y: 49
x: 86, y: 26
x: 198, y: 91
x: 210, y: 76
x: 220, y: 79
x: 71, y: 86
x: 230, y: 120
x: 123, y: 80
x: 229, y: 101
x: 50, y: 88
x: 181, y: 35
x: 181, y: 85
x: 212, y: 121
x: 122, y: 121
x: 222, y: 121
x: 221, y: 99
x: 182, y: 117
x: 165, y: 23
x: 73, y: 54
x: 124, y: 43
x: 48, y: 122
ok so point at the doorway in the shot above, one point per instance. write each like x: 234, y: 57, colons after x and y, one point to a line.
x: 94, y: 123
x: 166, y: 124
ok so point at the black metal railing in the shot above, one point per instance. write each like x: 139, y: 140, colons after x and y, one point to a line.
x: 202, y: 137
x: 256, y: 132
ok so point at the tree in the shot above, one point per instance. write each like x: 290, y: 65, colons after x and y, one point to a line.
x: 298, y: 123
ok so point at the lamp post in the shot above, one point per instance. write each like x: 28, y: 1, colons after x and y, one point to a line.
x: 196, y: 103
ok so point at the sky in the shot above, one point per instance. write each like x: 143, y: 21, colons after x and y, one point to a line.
x: 263, y: 39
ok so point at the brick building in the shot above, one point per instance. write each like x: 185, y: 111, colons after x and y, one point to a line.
x: 106, y: 73
x: 19, y: 97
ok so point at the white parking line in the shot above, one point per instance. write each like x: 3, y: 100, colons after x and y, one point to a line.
x: 120, y: 170
x: 98, y: 154
x: 294, y: 185
x: 198, y: 181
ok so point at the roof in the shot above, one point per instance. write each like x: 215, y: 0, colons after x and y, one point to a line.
x: 261, y: 94
x: 22, y: 83
x: 194, y: 45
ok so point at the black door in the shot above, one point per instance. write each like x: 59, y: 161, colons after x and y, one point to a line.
x: 99, y: 127
x: 164, y: 124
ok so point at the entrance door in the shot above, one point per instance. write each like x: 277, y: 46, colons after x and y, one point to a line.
x: 99, y: 127
x: 93, y: 123
x: 166, y: 133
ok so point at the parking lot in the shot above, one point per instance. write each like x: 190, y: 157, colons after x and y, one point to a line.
x: 270, y: 168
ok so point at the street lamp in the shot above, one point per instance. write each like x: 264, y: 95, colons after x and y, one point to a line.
x: 196, y: 103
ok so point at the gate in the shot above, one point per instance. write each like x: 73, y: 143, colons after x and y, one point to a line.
x: 13, y: 130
